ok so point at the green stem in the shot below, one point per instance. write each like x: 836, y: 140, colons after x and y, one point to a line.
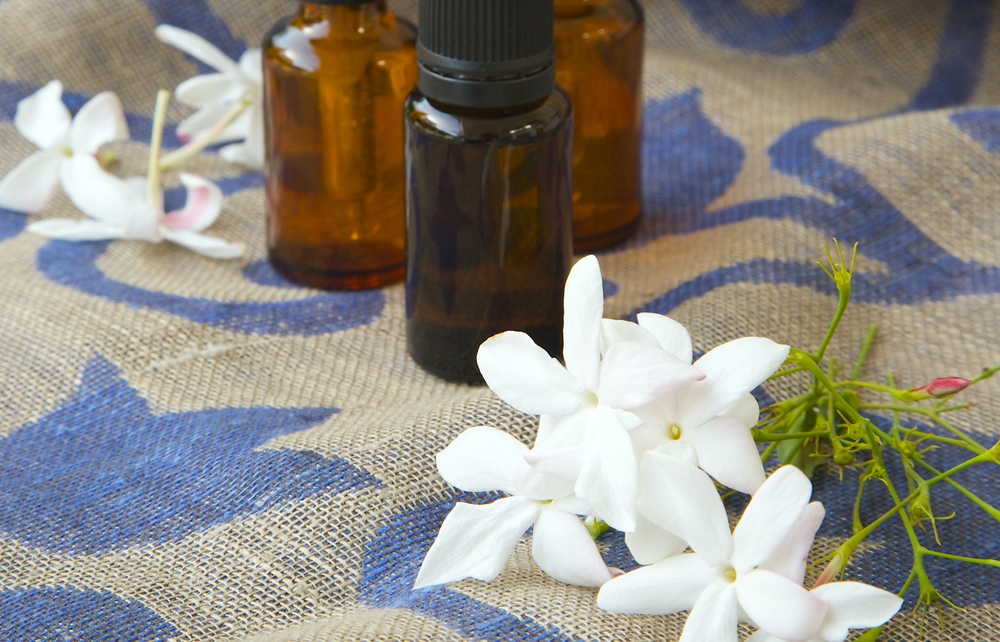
x: 769, y: 451
x: 978, y: 447
x: 154, y: 189
x: 869, y: 339
x: 870, y: 386
x: 917, y: 410
x: 985, y: 374
x: 764, y: 437
x: 844, y: 290
x: 975, y: 499
x: 858, y: 526
x: 961, y: 558
x: 178, y: 156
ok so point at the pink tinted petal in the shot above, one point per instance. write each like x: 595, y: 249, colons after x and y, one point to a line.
x: 531, y: 483
x: 650, y: 544
x: 608, y: 475
x: 207, y: 89
x: 475, y: 541
x: 202, y: 207
x: 634, y: 374
x: 671, y: 335
x: 733, y: 369
x: 726, y: 451
x: 97, y: 193
x: 853, y: 605
x: 745, y: 408
x: 714, y: 617
x: 584, y: 307
x: 196, y: 47
x: 75, y: 230
x: 673, y: 585
x: 683, y: 500
x: 100, y: 121
x: 29, y: 187
x: 210, y: 246
x: 563, y: 548
x: 616, y: 331
x: 481, y: 459
x: 789, y: 559
x: 770, y: 517
x: 779, y: 606
x: 43, y: 119
x: 526, y: 377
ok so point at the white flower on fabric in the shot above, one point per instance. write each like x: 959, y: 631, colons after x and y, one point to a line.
x: 728, y: 575
x: 584, y: 441
x: 119, y: 209
x: 43, y: 119
x: 215, y: 94
x: 476, y: 540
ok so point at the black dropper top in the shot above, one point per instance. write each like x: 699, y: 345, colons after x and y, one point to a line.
x: 486, y: 53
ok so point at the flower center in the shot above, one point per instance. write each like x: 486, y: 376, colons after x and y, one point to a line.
x: 730, y: 574
x: 674, y: 431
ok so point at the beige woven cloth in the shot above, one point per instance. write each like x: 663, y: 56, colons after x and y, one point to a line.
x: 193, y: 449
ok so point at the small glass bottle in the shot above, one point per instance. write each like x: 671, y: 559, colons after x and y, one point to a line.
x: 489, y: 183
x: 335, y: 78
x: 599, y: 50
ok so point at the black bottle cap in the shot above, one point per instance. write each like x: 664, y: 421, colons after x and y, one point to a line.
x: 486, y: 53
x: 342, y: 3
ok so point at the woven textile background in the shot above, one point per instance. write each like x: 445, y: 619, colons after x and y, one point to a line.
x: 195, y: 449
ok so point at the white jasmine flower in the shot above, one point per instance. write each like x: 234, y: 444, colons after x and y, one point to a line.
x: 43, y: 119
x: 121, y: 209
x: 215, y: 94
x: 580, y: 443
x: 728, y: 573
x: 476, y: 540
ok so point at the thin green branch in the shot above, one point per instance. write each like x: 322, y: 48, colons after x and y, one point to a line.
x: 154, y: 191
x: 869, y: 339
x: 962, y: 558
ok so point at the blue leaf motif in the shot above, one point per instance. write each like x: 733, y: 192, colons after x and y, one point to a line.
x: 101, y: 472
x: 11, y: 223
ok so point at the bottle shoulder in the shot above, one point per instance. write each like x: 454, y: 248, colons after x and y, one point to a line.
x: 483, y: 126
x: 625, y: 14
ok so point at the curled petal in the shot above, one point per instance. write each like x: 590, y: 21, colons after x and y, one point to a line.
x: 97, y: 193
x: 650, y: 544
x: 65, y: 229
x: 853, y: 605
x: 683, y: 500
x: 770, y: 517
x: 196, y: 47
x: 202, y: 207
x: 28, y: 187
x: 481, y: 459
x: 616, y: 331
x: 714, y: 617
x: 789, y: 559
x: 563, y: 548
x: 779, y: 606
x: 634, y: 374
x: 671, y: 335
x: 745, y: 408
x: 43, y: 119
x: 476, y: 541
x: 526, y: 377
x: 673, y: 585
x: 100, y: 121
x: 726, y: 451
x: 210, y: 246
x: 584, y: 307
x: 608, y: 475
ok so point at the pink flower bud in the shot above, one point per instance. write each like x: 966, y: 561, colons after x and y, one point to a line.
x: 939, y: 388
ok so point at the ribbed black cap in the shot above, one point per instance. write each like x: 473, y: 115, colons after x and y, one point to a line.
x: 486, y: 53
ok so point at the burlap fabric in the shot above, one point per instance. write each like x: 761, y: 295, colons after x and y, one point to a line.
x: 193, y: 449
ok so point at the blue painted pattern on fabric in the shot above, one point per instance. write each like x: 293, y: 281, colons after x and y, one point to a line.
x: 64, y: 613
x: 982, y: 124
x: 198, y: 17
x: 101, y: 472
x: 808, y: 27
x: 263, y: 273
x: 11, y: 223
x: 74, y: 265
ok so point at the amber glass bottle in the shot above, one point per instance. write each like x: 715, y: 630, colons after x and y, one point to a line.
x: 489, y: 183
x: 599, y: 50
x: 336, y: 75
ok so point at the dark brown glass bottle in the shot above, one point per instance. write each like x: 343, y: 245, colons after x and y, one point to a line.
x: 599, y: 51
x: 489, y: 187
x: 336, y: 75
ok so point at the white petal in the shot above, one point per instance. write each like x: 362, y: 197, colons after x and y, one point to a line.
x: 714, y: 617
x: 143, y: 224
x: 531, y: 483
x: 616, y: 331
x: 763, y: 636
x: 770, y: 517
x: 634, y: 374
x: 563, y: 548
x: 561, y: 463
x: 29, y: 186
x: 733, y: 369
x: 853, y: 605
x: 481, y: 459
x: 561, y: 431
x: 206, y: 117
x: 210, y: 246
x: 661, y: 589
x: 584, y: 307
x: 650, y: 544
x: 476, y: 541
x: 679, y: 450
x: 202, y: 207
x: 609, y: 475
x: 97, y: 193
x: 43, y: 119
x: 66, y: 229
x: 251, y: 64
x: 249, y: 153
x: 779, y: 606
x: 526, y: 377
x: 789, y: 559
x: 204, y: 90
x: 197, y: 47
x: 671, y: 335
x: 726, y: 451
x: 100, y: 121
x: 682, y: 499
x: 745, y: 408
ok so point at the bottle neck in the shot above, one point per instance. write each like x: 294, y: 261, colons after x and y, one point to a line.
x: 486, y: 89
